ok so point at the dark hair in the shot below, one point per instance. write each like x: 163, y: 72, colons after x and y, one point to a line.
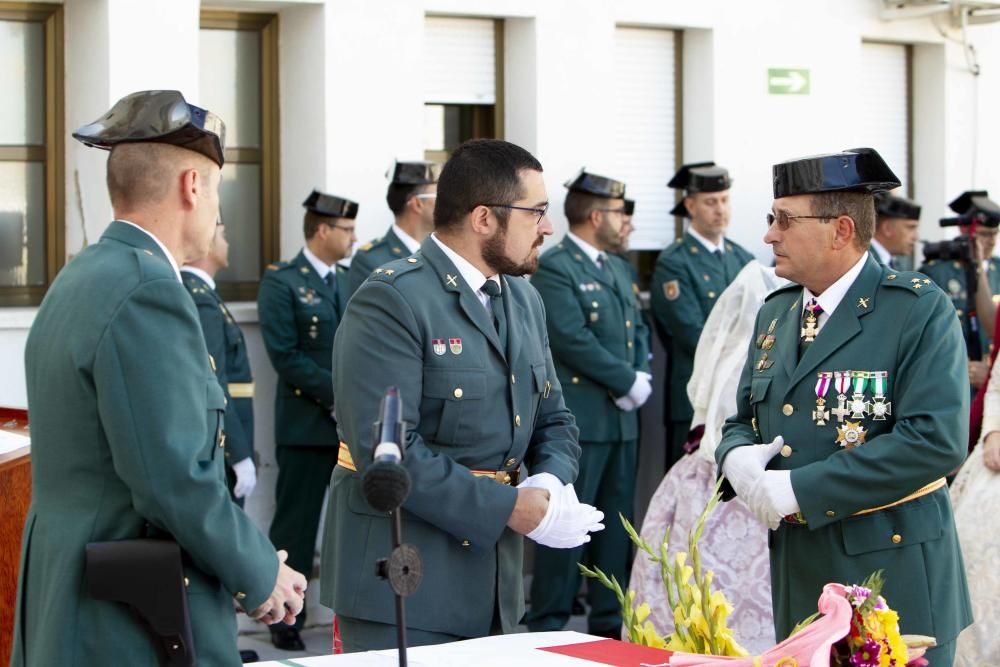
x: 311, y: 222
x: 480, y: 171
x: 398, y: 194
x: 859, y: 206
x: 578, y: 206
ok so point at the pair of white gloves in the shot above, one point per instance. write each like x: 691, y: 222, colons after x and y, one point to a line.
x: 639, y: 393
x: 246, y: 477
x: 768, y: 493
x: 567, y: 522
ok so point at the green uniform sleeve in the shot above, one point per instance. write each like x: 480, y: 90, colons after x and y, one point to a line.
x: 641, y: 339
x: 930, y: 435
x: 379, y: 341
x: 572, y: 340
x: 682, y: 317
x: 276, y: 309
x: 213, y: 325
x: 154, y: 386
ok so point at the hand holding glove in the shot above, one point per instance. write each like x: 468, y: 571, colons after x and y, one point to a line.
x: 743, y: 465
x: 568, y: 522
x: 772, y: 497
x: 246, y: 477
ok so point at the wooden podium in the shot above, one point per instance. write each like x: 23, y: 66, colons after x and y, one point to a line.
x: 15, y: 489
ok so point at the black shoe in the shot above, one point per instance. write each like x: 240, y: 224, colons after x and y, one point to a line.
x: 249, y: 656
x: 287, y: 639
x: 578, y: 608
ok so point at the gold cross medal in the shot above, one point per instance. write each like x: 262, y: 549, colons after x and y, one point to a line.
x: 821, y: 415
x: 809, y: 331
x: 880, y: 407
x: 842, y: 382
x: 851, y: 434
x: 858, y: 405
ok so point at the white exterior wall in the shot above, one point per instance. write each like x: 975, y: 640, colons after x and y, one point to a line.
x: 351, y: 101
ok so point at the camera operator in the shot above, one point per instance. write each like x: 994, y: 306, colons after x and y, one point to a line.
x: 954, y: 264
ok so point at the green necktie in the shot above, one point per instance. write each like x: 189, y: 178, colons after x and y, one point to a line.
x: 491, y: 288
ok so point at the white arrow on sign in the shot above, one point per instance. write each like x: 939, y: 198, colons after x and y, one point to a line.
x: 794, y: 82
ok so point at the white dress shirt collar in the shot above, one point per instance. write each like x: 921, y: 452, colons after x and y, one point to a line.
x: 835, y: 293
x: 882, y: 253
x: 170, y: 258
x: 473, y: 277
x: 321, y: 268
x: 591, y: 252
x: 411, y: 243
x: 709, y: 246
x: 201, y: 273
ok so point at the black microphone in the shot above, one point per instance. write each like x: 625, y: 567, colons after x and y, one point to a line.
x: 386, y: 482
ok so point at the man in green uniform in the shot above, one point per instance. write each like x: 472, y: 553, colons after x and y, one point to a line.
x: 300, y: 303
x: 599, y: 346
x: 225, y: 343
x: 949, y: 274
x: 897, y: 226
x: 689, y: 276
x: 410, y: 197
x: 462, y: 336
x: 127, y: 415
x: 856, y: 375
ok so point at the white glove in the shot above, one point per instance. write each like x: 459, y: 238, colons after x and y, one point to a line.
x: 772, y: 497
x: 625, y: 404
x: 743, y: 465
x: 543, y: 480
x: 246, y: 477
x: 639, y: 393
x: 568, y: 522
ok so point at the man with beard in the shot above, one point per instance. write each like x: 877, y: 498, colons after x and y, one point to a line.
x: 410, y: 196
x: 599, y: 345
x: 463, y: 338
x: 688, y: 278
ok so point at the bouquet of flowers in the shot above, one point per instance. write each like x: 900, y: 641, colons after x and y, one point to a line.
x: 853, y: 627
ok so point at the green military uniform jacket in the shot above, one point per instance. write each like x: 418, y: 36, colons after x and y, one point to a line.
x: 950, y: 276
x: 299, y: 315
x: 687, y: 281
x: 225, y: 343
x: 901, y: 324
x: 126, y: 425
x: 471, y: 405
x: 372, y: 255
x: 598, y: 338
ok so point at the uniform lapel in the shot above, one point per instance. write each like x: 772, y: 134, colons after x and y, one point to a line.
x: 589, y: 267
x: 515, y: 316
x: 452, y: 281
x: 845, y: 323
x: 786, y: 335
x: 318, y: 284
x: 395, y: 244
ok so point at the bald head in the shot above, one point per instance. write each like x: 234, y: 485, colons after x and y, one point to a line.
x: 144, y: 174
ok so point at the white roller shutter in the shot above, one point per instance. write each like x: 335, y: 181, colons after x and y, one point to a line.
x: 884, y: 111
x: 645, y: 125
x: 459, y: 61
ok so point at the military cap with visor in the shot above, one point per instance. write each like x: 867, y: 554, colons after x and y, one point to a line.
x: 599, y: 186
x: 414, y: 173
x: 330, y: 206
x: 890, y: 206
x: 975, y: 202
x: 852, y: 170
x: 698, y: 177
x: 158, y: 116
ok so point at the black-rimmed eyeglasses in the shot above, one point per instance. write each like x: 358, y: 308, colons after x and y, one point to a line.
x: 540, y: 212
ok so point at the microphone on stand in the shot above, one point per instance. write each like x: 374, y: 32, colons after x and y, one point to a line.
x: 386, y: 482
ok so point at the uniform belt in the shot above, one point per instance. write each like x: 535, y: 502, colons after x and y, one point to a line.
x: 922, y: 491
x: 241, y: 389
x: 505, y: 477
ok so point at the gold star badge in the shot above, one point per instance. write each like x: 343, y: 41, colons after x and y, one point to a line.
x: 851, y: 434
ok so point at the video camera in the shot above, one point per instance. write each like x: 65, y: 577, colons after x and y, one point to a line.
x: 979, y: 210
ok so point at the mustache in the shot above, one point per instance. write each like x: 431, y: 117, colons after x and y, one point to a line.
x: 539, y: 241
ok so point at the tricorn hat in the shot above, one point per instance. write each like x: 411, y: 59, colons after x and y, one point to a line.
x: 414, y: 173
x: 331, y: 205
x: 158, y: 116
x: 599, y: 186
x: 855, y: 169
x: 975, y: 201
x: 701, y: 177
x: 890, y: 206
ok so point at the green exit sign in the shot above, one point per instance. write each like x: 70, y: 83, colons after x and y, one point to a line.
x: 785, y: 81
